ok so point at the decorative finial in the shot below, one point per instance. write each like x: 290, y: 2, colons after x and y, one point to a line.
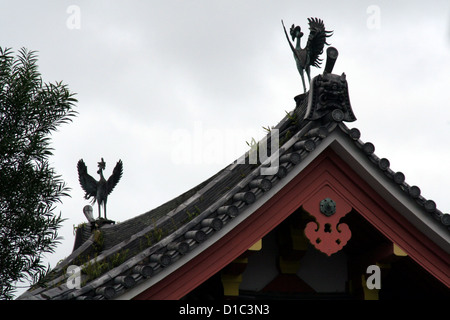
x: 309, y: 55
x: 98, y: 190
x: 328, y: 98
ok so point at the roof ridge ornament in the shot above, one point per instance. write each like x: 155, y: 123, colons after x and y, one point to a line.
x: 309, y: 55
x: 98, y: 190
x: 328, y: 98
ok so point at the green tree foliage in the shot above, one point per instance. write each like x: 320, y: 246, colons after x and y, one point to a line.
x: 30, y: 111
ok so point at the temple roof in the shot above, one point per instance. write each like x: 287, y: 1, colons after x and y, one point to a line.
x: 119, y: 257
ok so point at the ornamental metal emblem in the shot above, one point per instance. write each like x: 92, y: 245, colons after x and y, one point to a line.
x: 328, y: 207
x: 327, y: 233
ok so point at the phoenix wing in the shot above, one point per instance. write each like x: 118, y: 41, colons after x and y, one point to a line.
x: 115, y: 177
x: 88, y: 183
x: 316, y: 41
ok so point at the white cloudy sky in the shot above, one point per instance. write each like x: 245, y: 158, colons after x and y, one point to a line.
x: 164, y: 85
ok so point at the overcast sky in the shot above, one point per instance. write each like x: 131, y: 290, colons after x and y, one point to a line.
x: 176, y: 88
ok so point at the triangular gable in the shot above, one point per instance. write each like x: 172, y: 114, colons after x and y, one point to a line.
x: 324, y: 175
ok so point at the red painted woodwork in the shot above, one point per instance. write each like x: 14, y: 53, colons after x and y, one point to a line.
x: 327, y: 172
x: 326, y: 233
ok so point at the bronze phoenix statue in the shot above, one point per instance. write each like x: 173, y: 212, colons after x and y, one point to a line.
x: 309, y: 55
x: 99, y: 190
